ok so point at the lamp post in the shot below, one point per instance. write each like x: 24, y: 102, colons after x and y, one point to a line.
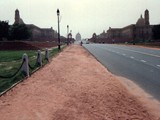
x: 59, y: 44
x: 71, y: 36
x: 67, y: 34
x: 94, y: 37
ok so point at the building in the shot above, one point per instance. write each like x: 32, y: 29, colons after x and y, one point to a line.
x: 139, y: 32
x: 37, y: 33
x: 18, y: 19
x: 78, y: 36
x: 41, y: 34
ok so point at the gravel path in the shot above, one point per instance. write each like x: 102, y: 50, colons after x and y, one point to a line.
x: 73, y: 86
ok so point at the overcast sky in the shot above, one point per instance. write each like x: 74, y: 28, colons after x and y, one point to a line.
x: 84, y: 16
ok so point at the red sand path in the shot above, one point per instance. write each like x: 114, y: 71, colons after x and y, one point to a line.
x: 73, y: 86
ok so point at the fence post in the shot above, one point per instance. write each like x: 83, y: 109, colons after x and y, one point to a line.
x: 25, y: 67
x: 47, y: 54
x: 39, y: 58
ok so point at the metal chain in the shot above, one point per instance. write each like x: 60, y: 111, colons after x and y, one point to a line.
x: 15, y: 72
x: 21, y: 67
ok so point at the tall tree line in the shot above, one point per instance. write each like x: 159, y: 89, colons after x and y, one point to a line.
x: 14, y: 32
x: 4, y: 29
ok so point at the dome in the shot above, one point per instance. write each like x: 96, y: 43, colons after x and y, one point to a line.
x: 146, y: 10
x: 21, y: 21
x: 78, y: 36
x: 140, y: 21
x: 17, y: 10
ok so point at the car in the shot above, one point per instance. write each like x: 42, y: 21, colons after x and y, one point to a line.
x: 87, y: 42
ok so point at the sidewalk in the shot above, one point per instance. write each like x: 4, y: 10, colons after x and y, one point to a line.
x: 73, y: 86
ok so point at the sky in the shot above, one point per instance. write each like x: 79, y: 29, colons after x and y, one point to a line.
x: 83, y: 16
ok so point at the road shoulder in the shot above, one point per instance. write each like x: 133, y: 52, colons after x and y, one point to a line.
x: 147, y: 100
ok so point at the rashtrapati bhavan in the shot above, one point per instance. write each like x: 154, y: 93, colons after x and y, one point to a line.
x: 139, y: 32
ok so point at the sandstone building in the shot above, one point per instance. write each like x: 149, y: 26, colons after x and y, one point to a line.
x: 38, y: 34
x: 139, y: 32
x: 18, y: 19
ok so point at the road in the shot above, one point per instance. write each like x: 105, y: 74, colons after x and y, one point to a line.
x: 141, y: 65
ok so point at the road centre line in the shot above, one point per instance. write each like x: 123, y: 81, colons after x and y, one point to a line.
x: 132, y: 57
x: 140, y: 52
x: 158, y: 65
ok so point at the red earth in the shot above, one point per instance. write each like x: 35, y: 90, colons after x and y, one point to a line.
x: 75, y: 86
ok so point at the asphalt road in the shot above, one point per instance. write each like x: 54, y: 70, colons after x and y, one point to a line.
x: 141, y: 65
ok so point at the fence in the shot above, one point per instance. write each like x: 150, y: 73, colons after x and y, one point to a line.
x: 25, y: 68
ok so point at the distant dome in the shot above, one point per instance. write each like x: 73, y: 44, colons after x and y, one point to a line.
x: 78, y: 36
x: 140, y: 21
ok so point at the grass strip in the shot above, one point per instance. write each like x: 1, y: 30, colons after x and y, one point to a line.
x: 11, y: 60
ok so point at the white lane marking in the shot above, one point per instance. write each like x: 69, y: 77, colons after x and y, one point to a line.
x: 117, y: 52
x: 158, y: 65
x: 140, y: 52
x: 123, y: 54
x: 143, y: 61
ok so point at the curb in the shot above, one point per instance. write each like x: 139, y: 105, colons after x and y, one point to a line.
x: 97, y: 59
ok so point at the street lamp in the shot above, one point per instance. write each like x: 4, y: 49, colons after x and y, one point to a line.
x: 59, y: 44
x: 70, y: 37
x: 67, y: 34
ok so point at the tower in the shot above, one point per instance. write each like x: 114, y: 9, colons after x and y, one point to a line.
x: 17, y: 17
x: 146, y: 16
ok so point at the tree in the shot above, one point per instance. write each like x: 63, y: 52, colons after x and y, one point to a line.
x: 156, y: 32
x: 19, y: 32
x: 4, y: 29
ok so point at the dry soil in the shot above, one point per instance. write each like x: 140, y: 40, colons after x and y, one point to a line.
x: 73, y: 86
